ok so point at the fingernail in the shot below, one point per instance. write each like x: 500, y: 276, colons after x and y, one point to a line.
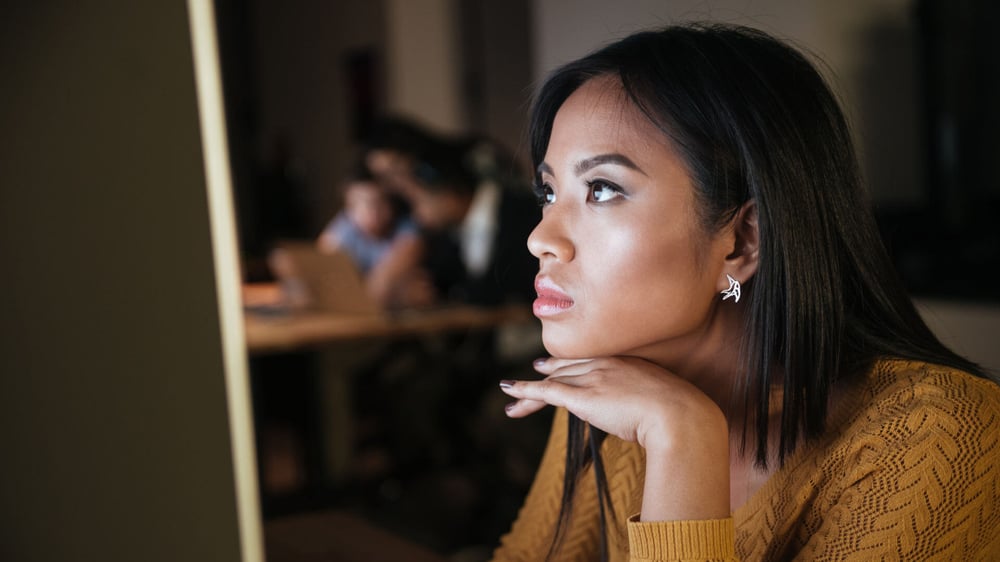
x: 506, y: 383
x: 539, y: 362
x: 509, y: 407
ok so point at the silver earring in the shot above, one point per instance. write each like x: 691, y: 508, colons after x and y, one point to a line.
x: 733, y: 290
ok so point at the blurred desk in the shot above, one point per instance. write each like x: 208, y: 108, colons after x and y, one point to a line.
x: 279, y: 332
x: 345, y: 341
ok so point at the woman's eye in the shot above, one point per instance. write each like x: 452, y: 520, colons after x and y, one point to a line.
x: 544, y: 194
x: 602, y: 191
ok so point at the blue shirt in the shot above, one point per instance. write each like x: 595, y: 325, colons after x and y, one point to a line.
x: 365, y: 250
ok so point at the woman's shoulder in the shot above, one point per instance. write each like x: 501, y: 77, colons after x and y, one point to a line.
x: 909, y: 405
x: 913, y: 450
x: 906, y: 418
x: 915, y: 385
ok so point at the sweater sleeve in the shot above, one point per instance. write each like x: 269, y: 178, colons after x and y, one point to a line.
x: 708, y: 540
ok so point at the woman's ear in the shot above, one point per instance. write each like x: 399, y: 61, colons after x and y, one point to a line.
x: 742, y: 262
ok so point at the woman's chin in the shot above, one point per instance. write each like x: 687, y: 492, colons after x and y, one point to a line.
x: 563, y: 347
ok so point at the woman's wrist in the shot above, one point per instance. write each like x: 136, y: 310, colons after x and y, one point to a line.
x: 687, y: 470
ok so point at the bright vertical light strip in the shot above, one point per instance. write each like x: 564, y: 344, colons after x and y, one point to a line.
x: 224, y: 247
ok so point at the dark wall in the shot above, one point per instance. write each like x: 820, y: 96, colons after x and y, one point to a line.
x: 946, y: 243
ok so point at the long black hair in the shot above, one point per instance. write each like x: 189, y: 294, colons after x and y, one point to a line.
x: 753, y: 120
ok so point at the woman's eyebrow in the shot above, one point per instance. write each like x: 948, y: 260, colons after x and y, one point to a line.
x: 612, y: 158
x: 584, y: 165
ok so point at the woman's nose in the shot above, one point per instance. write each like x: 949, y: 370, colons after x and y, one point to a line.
x: 550, y: 239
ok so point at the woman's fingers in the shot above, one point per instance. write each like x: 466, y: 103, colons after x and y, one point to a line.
x: 554, y: 390
x: 550, y: 365
x: 522, y: 408
x: 562, y: 375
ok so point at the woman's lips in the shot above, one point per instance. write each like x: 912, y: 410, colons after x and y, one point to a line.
x: 551, y: 299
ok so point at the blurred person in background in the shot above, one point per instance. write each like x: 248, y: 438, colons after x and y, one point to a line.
x: 473, y: 203
x: 470, y: 199
x: 374, y: 228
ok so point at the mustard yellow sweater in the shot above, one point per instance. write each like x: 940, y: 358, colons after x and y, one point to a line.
x: 909, y: 470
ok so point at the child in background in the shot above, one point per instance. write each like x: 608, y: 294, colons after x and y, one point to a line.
x: 384, y: 243
x: 368, y: 224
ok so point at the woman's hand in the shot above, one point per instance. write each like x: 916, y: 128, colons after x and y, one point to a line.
x: 631, y: 398
x: 684, y: 432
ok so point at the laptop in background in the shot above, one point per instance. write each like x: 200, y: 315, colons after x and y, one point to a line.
x: 317, y: 280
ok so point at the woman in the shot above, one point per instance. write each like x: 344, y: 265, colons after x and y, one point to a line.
x: 718, y: 304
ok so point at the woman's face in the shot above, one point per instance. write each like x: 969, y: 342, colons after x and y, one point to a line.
x: 624, y: 267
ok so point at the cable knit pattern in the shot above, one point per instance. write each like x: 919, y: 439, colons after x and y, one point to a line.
x: 908, y: 470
